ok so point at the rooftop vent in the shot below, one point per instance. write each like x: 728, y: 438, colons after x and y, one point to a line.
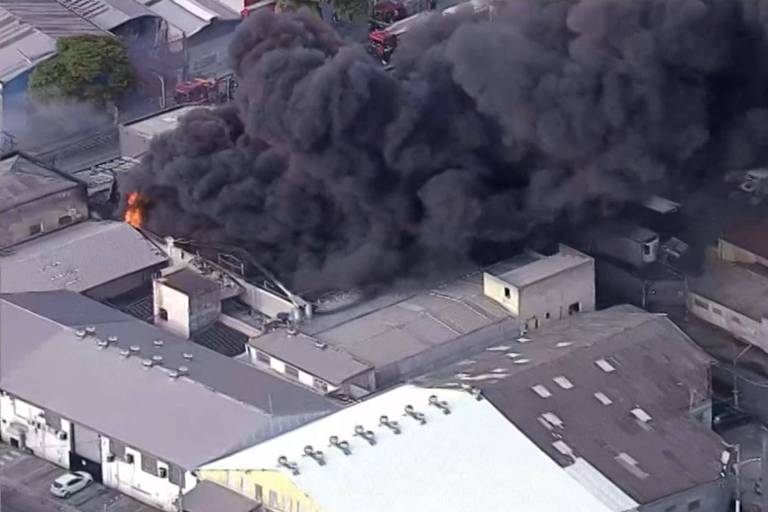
x: 173, y: 374
x: 80, y: 333
x: 183, y: 370
x: 552, y: 419
x: 157, y: 359
x: 542, y: 391
x: 475, y: 392
x: 135, y: 349
x: 521, y: 360
x: 418, y: 416
x: 102, y: 344
x: 319, y: 344
x: 147, y: 363
x: 603, y: 398
x: 341, y: 445
x: 291, y: 329
x: 290, y: 466
x: 563, y: 382
x: 317, y: 455
x: 112, y: 339
x: 90, y: 330
x: 392, y: 425
x: 158, y: 343
x: 564, y: 344
x: 440, y: 404
x: 125, y: 352
x: 365, y: 434
x: 640, y: 415
x: 605, y: 366
x: 188, y: 356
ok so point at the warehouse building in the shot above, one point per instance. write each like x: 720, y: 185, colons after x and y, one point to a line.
x: 136, y: 135
x: 644, y: 388
x: 135, y: 406
x: 732, y: 293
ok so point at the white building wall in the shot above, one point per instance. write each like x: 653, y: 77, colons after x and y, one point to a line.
x: 502, y: 292
x: 130, y: 479
x: 727, y: 251
x: 738, y: 324
x: 278, y: 366
x: 176, y: 304
x: 549, y: 300
x: 41, y: 439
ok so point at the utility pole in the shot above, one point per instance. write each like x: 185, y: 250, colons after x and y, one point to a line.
x: 737, y: 473
x: 736, y: 376
x: 763, y: 478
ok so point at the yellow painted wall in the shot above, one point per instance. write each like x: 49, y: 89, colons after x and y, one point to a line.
x: 290, y: 498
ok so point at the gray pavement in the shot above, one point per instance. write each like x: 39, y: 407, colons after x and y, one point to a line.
x: 748, y: 438
x: 24, y: 482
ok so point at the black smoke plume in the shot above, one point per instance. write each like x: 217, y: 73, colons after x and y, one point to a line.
x: 333, y: 171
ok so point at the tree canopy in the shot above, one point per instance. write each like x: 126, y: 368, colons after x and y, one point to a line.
x: 351, y: 9
x: 90, y: 68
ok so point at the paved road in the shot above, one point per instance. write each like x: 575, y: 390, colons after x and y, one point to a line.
x: 24, y: 482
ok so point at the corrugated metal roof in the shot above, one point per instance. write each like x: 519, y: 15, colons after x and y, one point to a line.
x: 38, y: 332
x: 23, y: 180
x: 742, y: 288
x: 50, y: 17
x: 470, y: 459
x: 107, y: 14
x: 191, y: 16
x: 543, y: 268
x: 78, y: 258
x: 656, y: 368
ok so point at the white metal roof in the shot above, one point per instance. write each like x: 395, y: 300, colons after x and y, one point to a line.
x: 470, y: 459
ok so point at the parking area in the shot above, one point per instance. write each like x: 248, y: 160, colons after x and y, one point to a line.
x: 28, y: 478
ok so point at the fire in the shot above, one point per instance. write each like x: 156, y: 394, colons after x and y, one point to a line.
x: 135, y: 210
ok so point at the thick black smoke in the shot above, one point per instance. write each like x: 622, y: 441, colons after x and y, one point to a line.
x: 333, y: 171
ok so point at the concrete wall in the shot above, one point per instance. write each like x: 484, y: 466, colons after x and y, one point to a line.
x: 549, y: 300
x: 204, y: 310
x: 41, y: 439
x: 176, y: 304
x: 49, y: 213
x: 123, y: 284
x: 727, y: 251
x: 712, y: 497
x: 130, y: 479
x: 502, y: 292
x: 738, y: 324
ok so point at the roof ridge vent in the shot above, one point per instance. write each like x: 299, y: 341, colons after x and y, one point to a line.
x: 341, y: 445
x: 188, y: 356
x: 102, y: 344
x: 418, y: 416
x: 80, y: 333
x: 368, y: 435
x: 147, y: 363
x: 173, y: 374
x: 112, y: 339
x: 320, y: 345
x: 392, y: 425
x: 125, y: 352
x: 135, y: 349
x: 440, y: 404
x: 90, y: 330
x: 317, y: 455
x: 158, y: 343
x: 290, y: 466
x: 183, y: 370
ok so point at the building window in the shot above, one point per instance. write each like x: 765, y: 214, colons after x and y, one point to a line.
x: 736, y: 319
x: 272, y: 499
x: 700, y: 303
x: 36, y: 229
x: 507, y: 293
x: 293, y: 372
x: 163, y: 314
x: 322, y: 386
x: 694, y: 505
x: 65, y: 219
x: 262, y: 357
x: 258, y: 492
x: 717, y: 311
x: 574, y: 308
x: 646, y: 249
x: 547, y: 316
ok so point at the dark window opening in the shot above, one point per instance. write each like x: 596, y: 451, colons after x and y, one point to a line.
x: 507, y: 293
x: 322, y: 386
x: 293, y: 372
x: 262, y: 357
x: 574, y: 308
x: 258, y: 492
x: 546, y: 316
x: 163, y: 314
x: 646, y: 249
x: 694, y: 505
x: 36, y: 229
x: 65, y: 219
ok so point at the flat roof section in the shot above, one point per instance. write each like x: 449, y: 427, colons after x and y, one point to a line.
x: 742, y: 288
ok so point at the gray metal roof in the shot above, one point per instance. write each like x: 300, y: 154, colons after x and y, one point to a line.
x: 22, y: 181
x: 156, y: 124
x: 207, y: 496
x: 601, y: 366
x: 742, y: 288
x: 107, y: 14
x: 222, y: 339
x: 220, y: 405
x: 189, y: 282
x: 330, y: 363
x: 28, y: 33
x: 193, y: 15
x: 751, y: 236
x: 390, y: 328
x: 77, y: 258
x: 542, y: 268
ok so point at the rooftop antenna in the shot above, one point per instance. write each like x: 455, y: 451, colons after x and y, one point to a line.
x: 390, y: 424
x: 365, y: 434
x: 440, y: 404
x: 317, y: 455
x: 341, y: 445
x: 418, y: 416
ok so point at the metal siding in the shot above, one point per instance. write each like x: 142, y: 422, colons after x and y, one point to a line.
x: 87, y: 443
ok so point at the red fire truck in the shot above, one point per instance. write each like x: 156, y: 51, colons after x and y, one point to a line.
x: 206, y: 90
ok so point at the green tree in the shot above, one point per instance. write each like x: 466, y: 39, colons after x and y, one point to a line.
x: 353, y: 10
x: 295, y: 5
x: 90, y: 68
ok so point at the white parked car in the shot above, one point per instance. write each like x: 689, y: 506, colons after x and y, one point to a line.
x: 70, y: 483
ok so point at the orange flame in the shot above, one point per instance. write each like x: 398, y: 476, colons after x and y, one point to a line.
x: 135, y: 210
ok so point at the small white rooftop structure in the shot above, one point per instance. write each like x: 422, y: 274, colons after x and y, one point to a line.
x: 474, y: 448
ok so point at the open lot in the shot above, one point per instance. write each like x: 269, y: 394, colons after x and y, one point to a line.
x: 24, y: 482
